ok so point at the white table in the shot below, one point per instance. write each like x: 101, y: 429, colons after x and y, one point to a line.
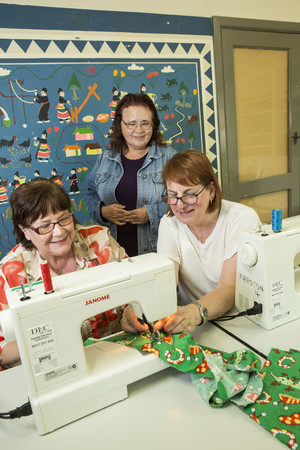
x: 161, y: 411
x: 284, y: 337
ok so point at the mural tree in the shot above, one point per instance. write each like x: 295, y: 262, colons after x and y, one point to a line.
x: 183, y: 90
x: 191, y: 139
x: 73, y: 86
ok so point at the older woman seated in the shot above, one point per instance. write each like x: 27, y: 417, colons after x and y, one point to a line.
x: 44, y: 227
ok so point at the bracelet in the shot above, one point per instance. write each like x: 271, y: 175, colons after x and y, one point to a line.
x: 203, y: 312
x: 5, y: 366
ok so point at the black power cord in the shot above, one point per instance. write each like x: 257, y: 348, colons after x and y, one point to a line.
x: 256, y: 309
x: 20, y: 411
x: 238, y: 339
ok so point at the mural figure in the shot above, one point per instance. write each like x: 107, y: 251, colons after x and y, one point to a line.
x: 151, y: 95
x: 55, y: 177
x: 114, y: 102
x: 43, y: 152
x: 36, y: 174
x: 16, y: 183
x: 109, y: 133
x: 62, y: 111
x: 3, y: 194
x: 43, y: 111
x: 74, y: 182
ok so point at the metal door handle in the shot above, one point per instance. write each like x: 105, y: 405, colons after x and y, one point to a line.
x: 295, y: 137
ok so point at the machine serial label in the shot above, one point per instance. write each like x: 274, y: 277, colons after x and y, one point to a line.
x: 42, y: 348
x: 61, y: 371
x: 277, y: 299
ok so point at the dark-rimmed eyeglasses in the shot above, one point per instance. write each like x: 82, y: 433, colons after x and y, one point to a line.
x: 144, y: 124
x: 187, y: 199
x: 48, y: 227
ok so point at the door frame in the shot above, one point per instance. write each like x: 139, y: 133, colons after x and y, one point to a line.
x: 227, y: 153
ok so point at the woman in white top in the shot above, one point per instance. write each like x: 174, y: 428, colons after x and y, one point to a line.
x: 199, y: 233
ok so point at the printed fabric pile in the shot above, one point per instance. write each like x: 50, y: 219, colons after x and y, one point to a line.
x: 271, y: 396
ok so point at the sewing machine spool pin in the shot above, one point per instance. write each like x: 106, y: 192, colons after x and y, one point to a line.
x: 24, y: 297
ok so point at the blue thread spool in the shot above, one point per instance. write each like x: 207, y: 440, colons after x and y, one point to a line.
x: 276, y: 220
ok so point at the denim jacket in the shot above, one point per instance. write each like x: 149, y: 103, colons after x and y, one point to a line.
x: 104, y: 178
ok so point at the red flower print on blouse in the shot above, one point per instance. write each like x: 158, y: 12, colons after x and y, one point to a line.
x: 11, y: 271
x: 85, y: 232
x: 102, y: 255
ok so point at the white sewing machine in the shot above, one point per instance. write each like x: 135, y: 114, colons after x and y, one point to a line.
x: 65, y: 380
x: 268, y: 272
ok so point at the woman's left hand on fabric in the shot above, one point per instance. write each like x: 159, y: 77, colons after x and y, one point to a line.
x: 130, y: 322
x: 184, y: 320
x: 137, y: 216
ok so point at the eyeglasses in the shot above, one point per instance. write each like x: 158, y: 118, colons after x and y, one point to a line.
x: 144, y: 124
x: 48, y: 227
x: 187, y: 199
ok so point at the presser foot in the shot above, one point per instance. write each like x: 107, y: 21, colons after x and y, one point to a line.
x: 154, y: 336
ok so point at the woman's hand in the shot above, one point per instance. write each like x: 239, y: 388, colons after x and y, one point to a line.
x: 137, y: 216
x: 114, y: 213
x: 184, y: 320
x: 10, y: 356
x: 130, y: 322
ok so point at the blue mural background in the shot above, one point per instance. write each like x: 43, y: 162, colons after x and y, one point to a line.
x: 89, y: 86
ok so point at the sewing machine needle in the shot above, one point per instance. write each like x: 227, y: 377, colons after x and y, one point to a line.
x: 154, y: 334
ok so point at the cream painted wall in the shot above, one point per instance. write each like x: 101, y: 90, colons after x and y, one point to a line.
x: 288, y: 10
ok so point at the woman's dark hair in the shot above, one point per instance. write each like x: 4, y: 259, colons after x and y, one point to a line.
x: 35, y: 199
x: 192, y: 167
x: 117, y: 141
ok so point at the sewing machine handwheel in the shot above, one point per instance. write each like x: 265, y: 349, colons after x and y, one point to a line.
x: 248, y: 254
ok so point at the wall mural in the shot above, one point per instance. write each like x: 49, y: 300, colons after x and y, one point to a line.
x: 56, y: 117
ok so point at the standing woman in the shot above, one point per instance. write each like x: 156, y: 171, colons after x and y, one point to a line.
x: 125, y: 185
x: 199, y: 234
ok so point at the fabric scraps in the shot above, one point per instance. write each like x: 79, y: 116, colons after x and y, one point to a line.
x: 219, y: 377
x: 278, y: 407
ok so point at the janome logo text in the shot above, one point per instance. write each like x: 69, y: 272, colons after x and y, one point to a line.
x: 97, y: 299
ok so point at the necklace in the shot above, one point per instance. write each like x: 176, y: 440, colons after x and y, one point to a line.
x: 60, y: 271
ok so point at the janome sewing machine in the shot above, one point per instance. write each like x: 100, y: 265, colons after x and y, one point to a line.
x: 268, y: 272
x: 65, y: 380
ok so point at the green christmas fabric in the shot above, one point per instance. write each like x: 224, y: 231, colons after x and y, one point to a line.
x: 271, y: 396
x: 278, y: 407
x: 219, y: 377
